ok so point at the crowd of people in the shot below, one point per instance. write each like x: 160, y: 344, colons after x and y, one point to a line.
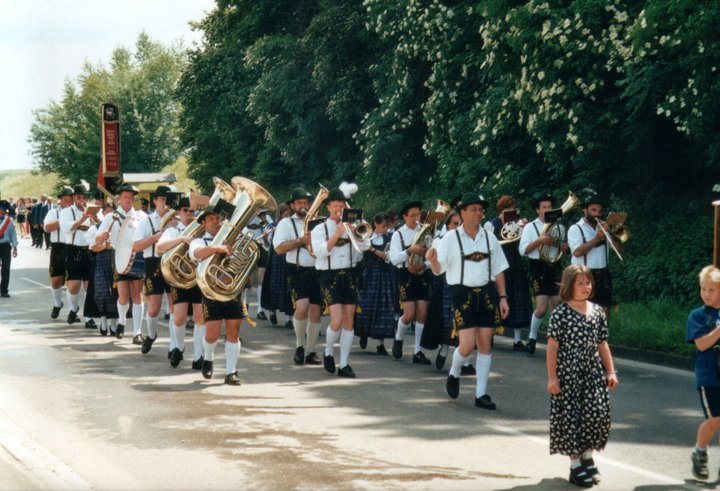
x: 451, y: 278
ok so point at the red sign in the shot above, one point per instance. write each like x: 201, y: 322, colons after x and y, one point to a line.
x: 110, y: 140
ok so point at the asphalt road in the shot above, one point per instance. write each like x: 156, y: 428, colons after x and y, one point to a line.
x: 80, y: 411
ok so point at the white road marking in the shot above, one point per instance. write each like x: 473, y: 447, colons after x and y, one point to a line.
x: 42, y: 285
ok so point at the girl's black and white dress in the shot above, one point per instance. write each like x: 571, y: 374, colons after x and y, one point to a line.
x: 580, y: 413
x: 378, y: 295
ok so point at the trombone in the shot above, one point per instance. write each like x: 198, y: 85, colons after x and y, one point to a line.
x: 609, y: 237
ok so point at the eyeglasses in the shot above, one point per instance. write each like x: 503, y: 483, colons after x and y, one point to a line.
x: 185, y: 210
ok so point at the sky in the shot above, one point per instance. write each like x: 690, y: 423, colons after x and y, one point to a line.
x: 43, y: 43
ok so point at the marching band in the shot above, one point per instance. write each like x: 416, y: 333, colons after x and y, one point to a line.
x: 462, y: 275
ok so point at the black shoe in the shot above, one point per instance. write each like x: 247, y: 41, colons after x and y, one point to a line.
x: 90, y: 324
x: 329, y: 363
x: 72, y: 317
x: 176, y: 356
x: 147, y: 344
x: 593, y: 471
x: 420, y: 359
x: 440, y: 361
x: 189, y: 324
x: 346, y: 372
x: 167, y: 316
x: 312, y: 359
x: 56, y: 311
x: 519, y: 346
x: 119, y: 331
x: 232, y: 379
x: 467, y: 370
x: 580, y: 477
x: 261, y: 316
x: 103, y: 332
x: 288, y: 324
x: 485, y: 402
x: 700, y: 465
x: 139, y: 339
x: 273, y: 319
x: 197, y: 364
x: 299, y: 357
x: 397, y: 349
x: 381, y: 350
x: 169, y: 354
x: 363, y: 342
x: 453, y: 386
x: 207, y: 369
x: 5, y: 295
x: 531, y: 346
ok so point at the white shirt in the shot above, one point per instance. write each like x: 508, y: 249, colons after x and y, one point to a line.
x: 195, y: 244
x: 398, y: 256
x: 171, y: 233
x: 476, y: 273
x: 531, y: 232
x: 54, y: 216
x: 145, y: 230
x: 340, y: 257
x: 597, y: 256
x: 284, y: 232
x: 68, y: 216
x: 113, y: 225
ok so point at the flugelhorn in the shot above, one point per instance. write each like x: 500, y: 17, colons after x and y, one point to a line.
x: 424, y: 237
x: 312, y: 212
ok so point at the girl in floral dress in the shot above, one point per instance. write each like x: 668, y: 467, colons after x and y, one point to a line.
x: 576, y: 354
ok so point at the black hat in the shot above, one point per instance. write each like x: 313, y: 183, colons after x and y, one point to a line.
x: 298, y: 193
x: 65, y: 191
x: 4, y: 205
x: 162, y: 191
x: 595, y: 198
x: 539, y: 198
x: 144, y: 201
x: 127, y: 187
x: 471, y: 199
x: 81, y: 189
x: 210, y: 210
x: 184, y: 202
x: 98, y: 194
x: 410, y: 205
x: 335, y: 195
x: 222, y: 208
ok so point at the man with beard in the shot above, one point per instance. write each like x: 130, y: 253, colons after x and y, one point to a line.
x: 51, y: 225
x: 304, y: 279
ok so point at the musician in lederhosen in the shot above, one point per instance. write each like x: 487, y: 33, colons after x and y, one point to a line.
x: 51, y: 225
x: 589, y: 245
x: 305, y: 293
x: 544, y: 276
x: 516, y: 276
x: 130, y: 284
x: 75, y: 221
x: 471, y: 257
x: 145, y: 240
x: 334, y: 260
x: 182, y: 298
x: 414, y: 282
x: 378, y: 291
x: 214, y: 311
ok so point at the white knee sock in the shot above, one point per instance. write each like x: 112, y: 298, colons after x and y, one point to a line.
x: 111, y: 324
x: 152, y: 325
x: 122, y: 312
x: 137, y: 311
x: 330, y: 338
x: 178, y: 336
x: 346, y: 341
x: 517, y: 334
x: 73, y: 301
x: 313, y: 331
x: 259, y: 295
x: 232, y: 350
x: 300, y: 327
x: 534, y: 326
x: 208, y: 350
x: 103, y: 323
x: 57, y: 296
x: 198, y: 336
x: 484, y: 362
x: 401, y: 328
x: 457, y: 361
x: 443, y: 350
x: 418, y: 335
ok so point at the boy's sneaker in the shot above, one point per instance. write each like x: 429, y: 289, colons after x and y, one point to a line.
x: 700, y: 467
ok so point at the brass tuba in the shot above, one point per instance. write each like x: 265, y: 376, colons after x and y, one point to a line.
x: 552, y: 253
x: 424, y: 237
x: 312, y: 213
x: 177, y: 266
x: 222, y: 277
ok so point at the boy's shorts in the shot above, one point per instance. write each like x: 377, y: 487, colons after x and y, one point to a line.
x: 710, y: 401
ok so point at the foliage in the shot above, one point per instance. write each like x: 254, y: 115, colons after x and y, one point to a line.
x: 65, y: 136
x: 15, y: 184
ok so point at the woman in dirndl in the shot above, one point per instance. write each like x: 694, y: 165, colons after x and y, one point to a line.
x: 102, y: 288
x: 275, y: 288
x: 378, y: 292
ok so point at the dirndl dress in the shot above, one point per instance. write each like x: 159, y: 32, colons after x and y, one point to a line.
x: 439, y: 324
x: 378, y: 295
x: 105, y: 290
x: 276, y: 287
